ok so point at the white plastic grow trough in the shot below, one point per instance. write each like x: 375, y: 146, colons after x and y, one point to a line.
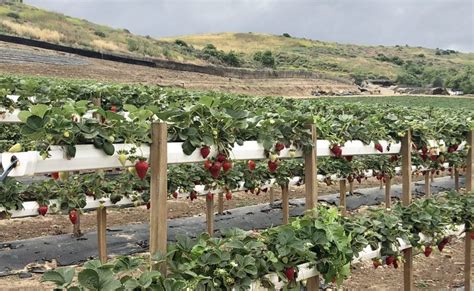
x: 9, y: 117
x: 30, y: 208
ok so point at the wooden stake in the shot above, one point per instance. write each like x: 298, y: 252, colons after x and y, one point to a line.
x: 427, y: 184
x: 311, y: 189
x: 285, y: 204
x: 220, y: 203
x: 310, y: 166
x: 342, y: 196
x: 381, y: 183
x: 388, y: 192
x: 158, y: 192
x: 456, y: 179
x: 351, y: 187
x: 406, y: 200
x: 102, y: 233
x: 272, y: 196
x: 469, y: 188
x: 432, y: 176
x: 210, y: 216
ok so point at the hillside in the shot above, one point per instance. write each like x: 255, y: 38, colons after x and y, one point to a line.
x: 406, y: 65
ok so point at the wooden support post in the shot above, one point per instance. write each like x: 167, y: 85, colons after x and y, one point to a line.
x: 210, y: 215
x: 406, y: 200
x: 220, y: 203
x: 310, y: 166
x: 272, y: 195
x: 351, y: 187
x: 285, y: 204
x: 388, y: 192
x: 432, y: 176
x: 469, y: 188
x: 342, y: 196
x: 456, y: 179
x: 452, y: 173
x: 159, y: 192
x: 381, y: 183
x: 311, y: 190
x: 427, y: 184
x: 102, y: 233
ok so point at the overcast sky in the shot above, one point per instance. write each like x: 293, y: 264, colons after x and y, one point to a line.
x: 429, y: 23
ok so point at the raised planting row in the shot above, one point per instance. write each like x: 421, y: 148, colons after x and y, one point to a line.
x: 64, y: 191
x: 322, y: 239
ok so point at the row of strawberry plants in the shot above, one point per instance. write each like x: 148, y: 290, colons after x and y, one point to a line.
x: 204, y: 119
x: 71, y: 190
x: 322, y: 238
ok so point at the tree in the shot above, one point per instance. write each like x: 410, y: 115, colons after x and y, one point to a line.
x: 286, y: 34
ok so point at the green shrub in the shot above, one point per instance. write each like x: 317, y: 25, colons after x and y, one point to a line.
x: 100, y: 34
x: 13, y: 15
x: 132, y: 45
x: 265, y: 58
x: 181, y: 43
x: 286, y: 34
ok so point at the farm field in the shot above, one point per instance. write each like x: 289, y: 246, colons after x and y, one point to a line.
x: 95, y: 145
x: 410, y: 101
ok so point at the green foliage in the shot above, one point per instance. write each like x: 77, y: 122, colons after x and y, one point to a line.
x: 395, y: 59
x: 231, y: 58
x: 286, y: 34
x: 321, y: 238
x: 181, y: 43
x: 132, y: 45
x: 13, y: 15
x: 100, y: 33
x: 265, y: 58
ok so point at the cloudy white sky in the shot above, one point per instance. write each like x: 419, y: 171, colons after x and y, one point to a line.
x: 428, y: 23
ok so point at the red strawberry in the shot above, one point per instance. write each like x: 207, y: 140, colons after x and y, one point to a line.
x: 453, y: 148
x: 141, y: 167
x: 55, y: 175
x: 359, y: 179
x: 73, y: 216
x: 390, y: 260
x: 113, y: 108
x: 427, y: 251
x: 336, y: 150
x: 207, y: 164
x: 379, y: 147
x: 43, y: 209
x: 443, y: 243
x: 221, y: 157
x: 251, y: 165
x: 395, y: 264
x: 333, y: 280
x: 215, y: 170
x: 393, y: 158
x: 472, y: 234
x: 226, y: 166
x: 272, y: 166
x: 349, y: 158
x: 148, y: 205
x: 193, y: 195
x: 433, y: 157
x: 424, y: 157
x: 228, y: 195
x: 290, y: 273
x: 264, y: 190
x: 424, y: 150
x: 175, y: 194
x: 205, y: 151
x: 209, y: 196
x: 279, y: 147
x: 377, y: 263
